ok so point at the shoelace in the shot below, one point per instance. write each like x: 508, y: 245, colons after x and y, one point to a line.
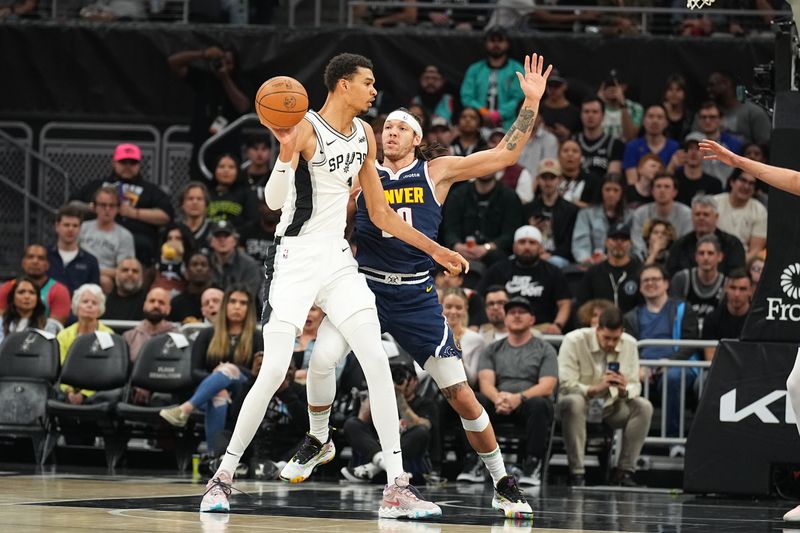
x: 218, y: 484
x: 308, y: 450
x: 411, y: 489
x: 512, y: 489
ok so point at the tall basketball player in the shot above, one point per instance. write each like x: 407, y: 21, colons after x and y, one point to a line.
x: 311, y: 262
x: 787, y: 180
x: 399, y: 276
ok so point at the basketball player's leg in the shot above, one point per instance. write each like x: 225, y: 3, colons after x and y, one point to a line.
x: 317, y: 448
x: 424, y: 334
x: 793, y: 391
x: 290, y: 290
x: 350, y: 306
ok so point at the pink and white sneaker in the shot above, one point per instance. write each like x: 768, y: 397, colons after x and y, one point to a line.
x: 793, y: 515
x: 403, y: 500
x: 215, y: 499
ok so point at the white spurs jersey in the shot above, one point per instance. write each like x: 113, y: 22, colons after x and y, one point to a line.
x: 317, y: 201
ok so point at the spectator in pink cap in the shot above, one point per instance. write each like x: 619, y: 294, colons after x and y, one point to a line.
x: 144, y: 207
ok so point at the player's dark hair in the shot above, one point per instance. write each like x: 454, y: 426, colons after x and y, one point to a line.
x: 430, y: 151
x: 610, y: 318
x: 342, y: 67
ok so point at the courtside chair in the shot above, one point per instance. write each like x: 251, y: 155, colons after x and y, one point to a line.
x: 29, y: 365
x: 100, y: 362
x: 164, y: 367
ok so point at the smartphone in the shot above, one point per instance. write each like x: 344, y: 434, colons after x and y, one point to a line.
x: 614, y: 367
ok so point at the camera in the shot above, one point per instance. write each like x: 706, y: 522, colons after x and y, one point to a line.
x: 401, y: 373
x: 613, y: 366
x: 215, y: 63
x: 612, y: 78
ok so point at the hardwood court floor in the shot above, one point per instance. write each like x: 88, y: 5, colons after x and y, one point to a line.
x: 81, y: 502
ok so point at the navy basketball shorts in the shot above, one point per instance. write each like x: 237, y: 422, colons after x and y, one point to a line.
x: 412, y: 315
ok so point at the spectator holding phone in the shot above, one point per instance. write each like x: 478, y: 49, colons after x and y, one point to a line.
x: 623, y: 117
x: 598, y: 370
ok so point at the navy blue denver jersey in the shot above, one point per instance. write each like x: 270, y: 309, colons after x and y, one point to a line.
x: 410, y: 193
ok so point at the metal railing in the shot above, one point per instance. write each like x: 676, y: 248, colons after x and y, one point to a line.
x: 19, y: 163
x: 224, y: 132
x: 644, y: 14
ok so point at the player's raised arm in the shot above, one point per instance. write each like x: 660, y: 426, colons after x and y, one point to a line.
x: 293, y: 141
x: 386, y: 219
x: 533, y: 81
x: 782, y: 178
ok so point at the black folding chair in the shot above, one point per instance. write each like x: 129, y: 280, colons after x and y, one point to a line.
x: 29, y: 365
x: 105, y: 370
x: 162, y: 367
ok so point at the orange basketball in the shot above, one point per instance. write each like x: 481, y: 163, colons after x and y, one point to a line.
x: 281, y: 102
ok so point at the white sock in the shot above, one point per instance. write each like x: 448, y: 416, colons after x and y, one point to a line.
x: 793, y: 388
x: 494, y: 464
x: 318, y: 424
x: 363, y: 333
x: 378, y: 461
x: 279, y: 337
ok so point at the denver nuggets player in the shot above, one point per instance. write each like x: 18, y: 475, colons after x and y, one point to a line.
x: 399, y: 276
x: 311, y: 262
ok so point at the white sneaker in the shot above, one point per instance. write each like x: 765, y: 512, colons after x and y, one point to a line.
x: 311, y: 454
x: 403, y: 500
x: 508, y: 499
x: 793, y: 515
x: 218, y: 489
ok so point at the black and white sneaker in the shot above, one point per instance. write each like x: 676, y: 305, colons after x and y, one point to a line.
x: 311, y: 454
x: 508, y: 499
x: 531, y: 472
x: 474, y: 470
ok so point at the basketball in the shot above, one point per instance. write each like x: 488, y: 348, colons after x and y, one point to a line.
x: 281, y: 102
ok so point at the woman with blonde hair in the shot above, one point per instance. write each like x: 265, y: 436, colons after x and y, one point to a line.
x: 224, y: 358
x: 456, y: 310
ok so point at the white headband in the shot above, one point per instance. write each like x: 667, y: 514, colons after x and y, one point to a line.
x: 402, y: 116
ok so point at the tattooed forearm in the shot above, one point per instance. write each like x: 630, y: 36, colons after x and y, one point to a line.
x: 519, y: 128
x: 450, y: 392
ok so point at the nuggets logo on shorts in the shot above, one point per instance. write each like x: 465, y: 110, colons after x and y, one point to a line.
x: 449, y: 351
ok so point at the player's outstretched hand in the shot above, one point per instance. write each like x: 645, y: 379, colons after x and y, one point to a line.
x: 453, y: 262
x: 532, y: 81
x: 716, y: 151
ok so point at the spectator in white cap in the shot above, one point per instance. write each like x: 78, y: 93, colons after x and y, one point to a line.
x: 552, y: 215
x: 542, y: 283
x: 144, y: 207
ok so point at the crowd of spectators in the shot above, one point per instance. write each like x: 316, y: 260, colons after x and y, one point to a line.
x: 610, y: 221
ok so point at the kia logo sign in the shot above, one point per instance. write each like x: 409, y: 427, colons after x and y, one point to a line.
x: 759, y: 408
